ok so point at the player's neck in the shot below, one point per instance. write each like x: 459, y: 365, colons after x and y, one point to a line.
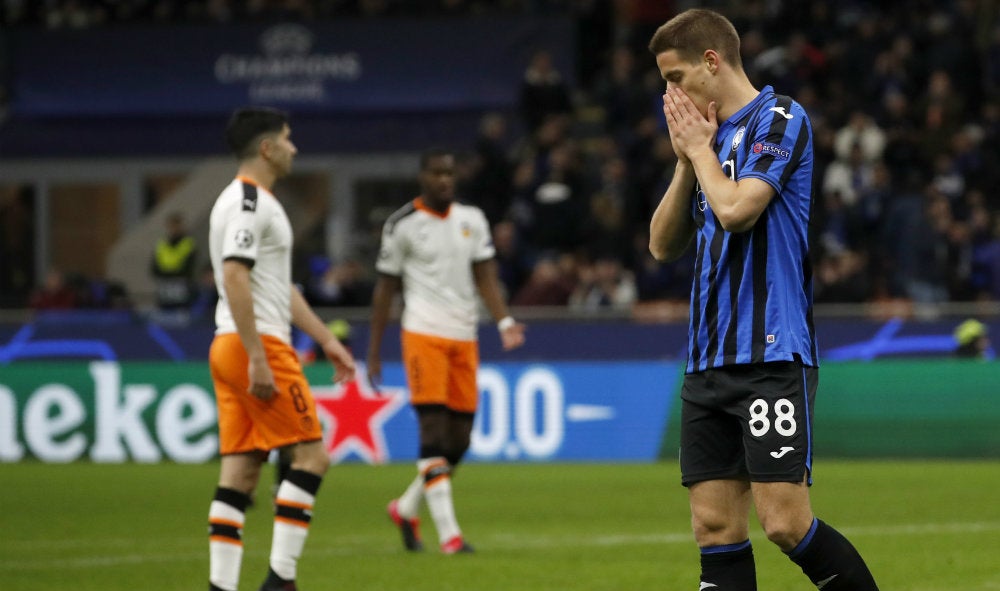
x: 438, y: 205
x: 258, y: 173
x: 740, y: 93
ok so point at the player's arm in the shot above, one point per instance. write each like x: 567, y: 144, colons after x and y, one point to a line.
x: 488, y: 285
x: 239, y: 297
x: 672, y: 227
x: 306, y: 319
x: 386, y: 288
x: 736, y: 204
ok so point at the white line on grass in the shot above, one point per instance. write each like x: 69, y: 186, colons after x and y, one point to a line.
x: 377, y: 544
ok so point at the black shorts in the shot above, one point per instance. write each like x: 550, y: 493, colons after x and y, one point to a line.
x: 750, y: 422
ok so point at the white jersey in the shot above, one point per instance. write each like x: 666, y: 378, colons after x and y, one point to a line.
x: 248, y: 224
x: 433, y: 254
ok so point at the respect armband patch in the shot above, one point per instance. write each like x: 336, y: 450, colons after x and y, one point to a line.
x: 772, y: 149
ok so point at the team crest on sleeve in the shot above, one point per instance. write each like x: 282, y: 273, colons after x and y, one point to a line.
x: 738, y: 138
x: 244, y: 238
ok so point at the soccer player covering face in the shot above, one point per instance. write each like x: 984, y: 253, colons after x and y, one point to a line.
x: 262, y: 395
x: 742, y: 191
x: 440, y: 254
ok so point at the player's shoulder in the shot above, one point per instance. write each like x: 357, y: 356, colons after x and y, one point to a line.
x: 244, y: 195
x: 229, y: 198
x: 230, y: 191
x: 467, y: 211
x: 400, y: 216
x: 781, y: 105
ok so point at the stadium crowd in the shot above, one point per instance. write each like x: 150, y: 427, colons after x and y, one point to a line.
x: 905, y: 106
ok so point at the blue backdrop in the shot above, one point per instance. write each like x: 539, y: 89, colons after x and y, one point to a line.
x: 349, y: 66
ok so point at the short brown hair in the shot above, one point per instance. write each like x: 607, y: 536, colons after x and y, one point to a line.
x: 247, y: 125
x: 693, y: 31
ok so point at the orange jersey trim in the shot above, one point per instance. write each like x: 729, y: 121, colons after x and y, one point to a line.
x: 419, y: 204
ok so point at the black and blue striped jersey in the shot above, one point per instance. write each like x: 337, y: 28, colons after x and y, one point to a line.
x: 752, y: 298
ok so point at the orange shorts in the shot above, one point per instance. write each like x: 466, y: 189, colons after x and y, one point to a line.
x: 441, y: 371
x: 247, y: 423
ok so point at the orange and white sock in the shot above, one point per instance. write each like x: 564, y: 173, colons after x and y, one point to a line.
x: 293, y: 512
x: 437, y: 490
x: 409, y: 503
x: 225, y: 538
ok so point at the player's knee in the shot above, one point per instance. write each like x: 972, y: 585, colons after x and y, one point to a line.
x: 456, y: 449
x: 783, y: 530
x: 712, y: 528
x: 240, y: 477
x: 244, y: 483
x: 311, y: 458
x: 455, y: 456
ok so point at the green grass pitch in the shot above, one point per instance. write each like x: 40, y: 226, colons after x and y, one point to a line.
x: 922, y: 526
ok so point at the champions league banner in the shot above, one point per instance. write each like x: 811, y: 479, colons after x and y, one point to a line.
x: 345, y: 66
x: 106, y: 411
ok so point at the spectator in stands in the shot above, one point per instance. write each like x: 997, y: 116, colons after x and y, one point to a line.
x: 902, y: 152
x: 343, y: 283
x: 489, y: 187
x: 558, y: 201
x: 861, y: 132
x: 984, y: 268
x: 605, y: 233
x: 604, y: 285
x: 172, y: 265
x: 544, y: 92
x: 56, y: 293
x: 849, y: 176
x: 928, y: 278
x: 548, y: 285
x: 972, y: 339
x: 940, y: 111
x: 514, y: 260
x: 619, y: 92
x: 841, y: 277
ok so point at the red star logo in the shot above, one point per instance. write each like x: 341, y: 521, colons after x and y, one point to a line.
x: 357, y: 416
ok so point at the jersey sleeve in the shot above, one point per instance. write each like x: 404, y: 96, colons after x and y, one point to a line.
x: 391, y: 251
x: 241, y: 236
x: 778, y: 145
x: 484, y: 249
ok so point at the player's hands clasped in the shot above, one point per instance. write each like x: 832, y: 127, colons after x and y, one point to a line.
x: 689, y: 128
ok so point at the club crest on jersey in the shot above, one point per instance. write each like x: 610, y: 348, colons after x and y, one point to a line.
x: 466, y: 230
x: 772, y: 149
x: 244, y: 239
x: 738, y: 138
